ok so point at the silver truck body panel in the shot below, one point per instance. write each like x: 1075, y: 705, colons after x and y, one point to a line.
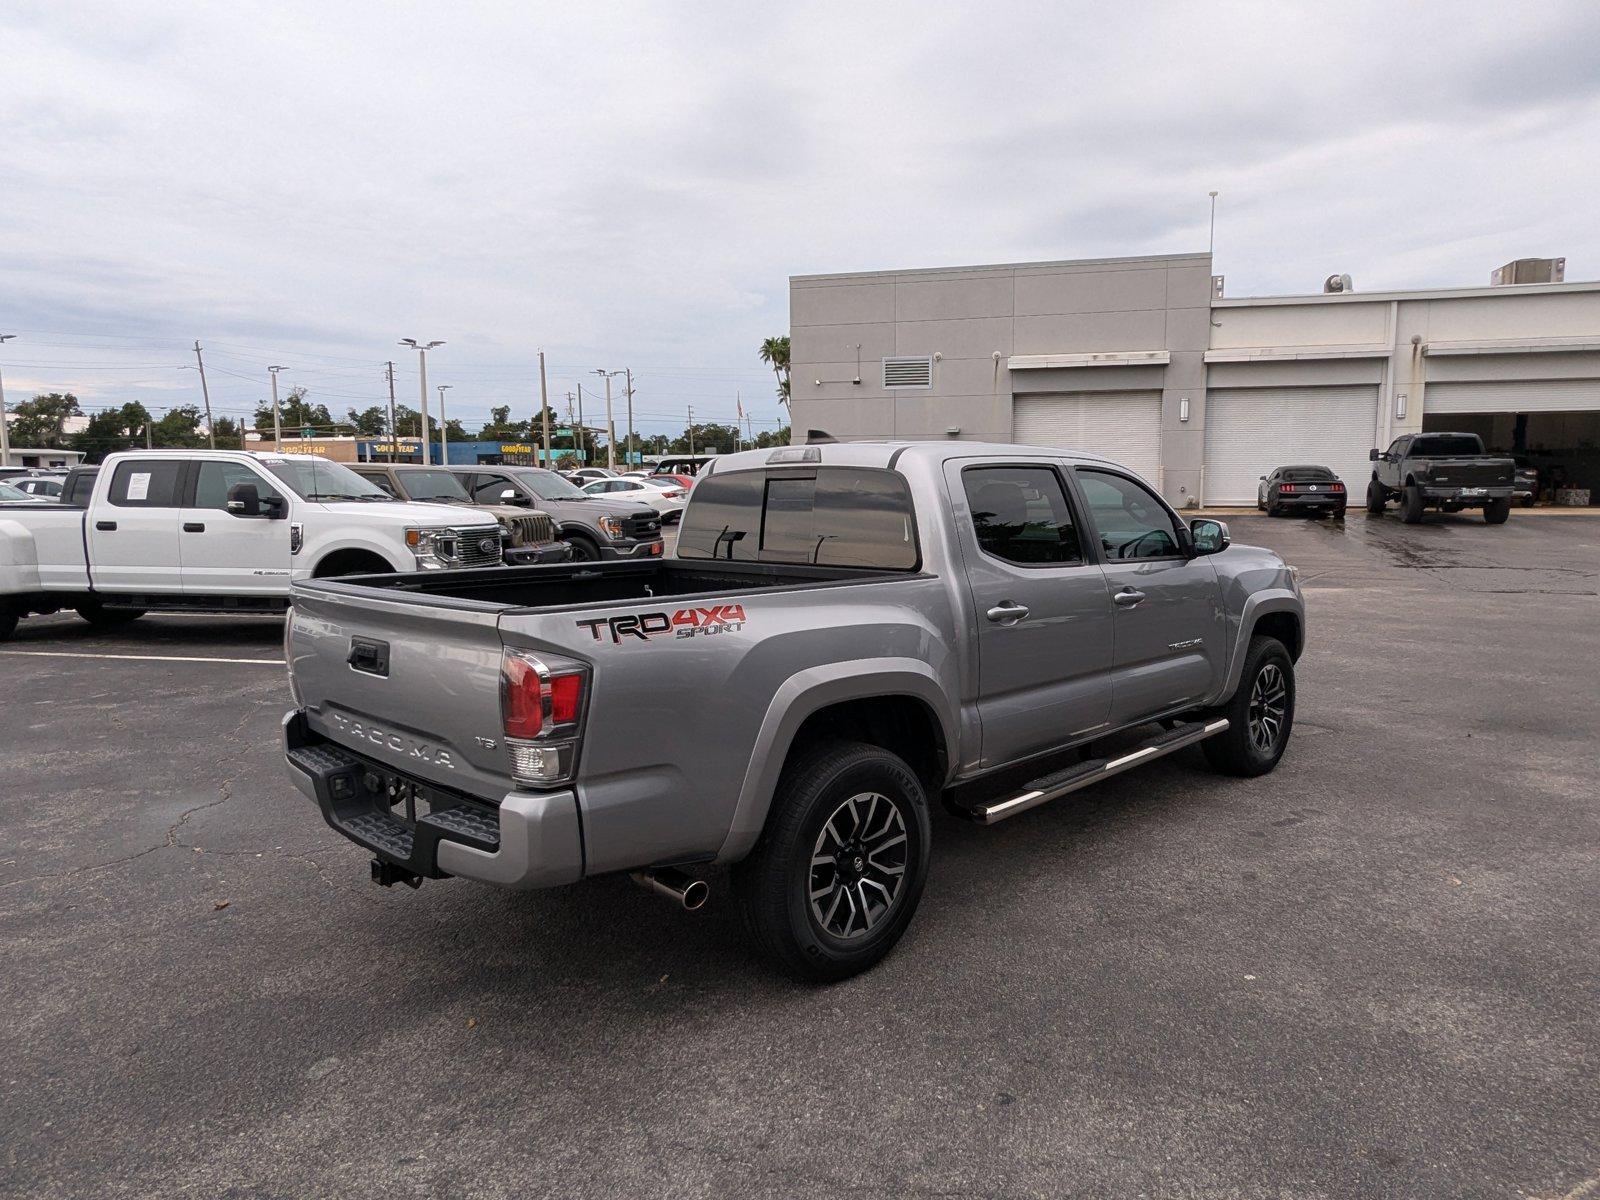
x: 686, y: 733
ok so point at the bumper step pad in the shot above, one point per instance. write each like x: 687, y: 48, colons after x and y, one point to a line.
x: 341, y: 781
x: 1081, y: 775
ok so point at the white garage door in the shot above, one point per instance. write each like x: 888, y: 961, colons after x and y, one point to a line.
x: 1249, y: 431
x: 1123, y: 426
x: 1524, y: 395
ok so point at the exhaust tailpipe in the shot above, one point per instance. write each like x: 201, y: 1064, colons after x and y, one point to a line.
x: 675, y: 885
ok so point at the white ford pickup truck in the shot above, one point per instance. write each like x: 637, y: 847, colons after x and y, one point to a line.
x: 218, y: 531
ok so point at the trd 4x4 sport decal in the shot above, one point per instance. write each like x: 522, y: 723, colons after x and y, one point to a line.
x: 685, y: 623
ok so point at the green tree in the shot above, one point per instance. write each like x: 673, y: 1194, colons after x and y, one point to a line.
x: 179, y: 430
x: 456, y: 430
x: 370, y: 422
x: 42, y: 421
x: 772, y: 437
x: 775, y: 353
x: 298, y: 413
x: 707, y: 439
x: 227, y: 432
x: 115, y: 429
x: 501, y: 428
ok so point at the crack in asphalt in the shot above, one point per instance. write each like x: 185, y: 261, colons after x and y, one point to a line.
x: 170, y: 839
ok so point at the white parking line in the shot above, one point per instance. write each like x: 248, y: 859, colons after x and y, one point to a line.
x: 255, y: 662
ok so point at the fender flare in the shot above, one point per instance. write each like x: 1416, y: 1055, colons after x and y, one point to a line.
x: 1256, y: 606
x: 323, y: 550
x: 805, y: 693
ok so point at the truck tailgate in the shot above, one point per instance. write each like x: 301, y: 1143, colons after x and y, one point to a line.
x: 1470, y: 472
x: 412, y: 684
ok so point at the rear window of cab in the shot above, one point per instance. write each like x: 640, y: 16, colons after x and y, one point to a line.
x: 823, y: 516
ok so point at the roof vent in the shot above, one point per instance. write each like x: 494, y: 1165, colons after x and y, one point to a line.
x: 1334, y: 284
x: 908, y: 372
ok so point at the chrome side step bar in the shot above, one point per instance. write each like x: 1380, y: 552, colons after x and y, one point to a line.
x: 1053, y: 787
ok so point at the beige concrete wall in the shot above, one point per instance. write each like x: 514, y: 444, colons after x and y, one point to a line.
x: 972, y: 320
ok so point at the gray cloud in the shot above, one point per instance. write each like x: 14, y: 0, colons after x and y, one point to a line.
x: 632, y: 184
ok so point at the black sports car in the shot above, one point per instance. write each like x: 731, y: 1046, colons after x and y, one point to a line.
x: 1314, y: 490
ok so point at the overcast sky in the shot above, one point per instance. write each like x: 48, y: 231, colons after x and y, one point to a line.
x: 631, y: 185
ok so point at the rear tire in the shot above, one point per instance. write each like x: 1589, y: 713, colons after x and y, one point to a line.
x: 1377, y: 499
x: 1411, y: 513
x: 101, y: 617
x: 1260, y: 713
x: 1496, y: 511
x: 9, y: 617
x: 846, y: 817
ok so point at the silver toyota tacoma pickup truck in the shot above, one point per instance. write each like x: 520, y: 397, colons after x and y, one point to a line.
x: 848, y: 631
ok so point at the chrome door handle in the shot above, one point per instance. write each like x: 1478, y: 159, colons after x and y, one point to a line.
x: 1127, y: 597
x: 1007, y: 612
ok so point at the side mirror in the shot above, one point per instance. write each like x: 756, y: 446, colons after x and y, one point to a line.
x: 1210, y: 537
x: 1373, y: 456
x: 274, y: 507
x: 1263, y: 478
x: 244, y: 500
x: 510, y: 496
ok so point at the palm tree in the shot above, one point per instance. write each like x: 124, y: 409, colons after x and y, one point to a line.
x: 775, y: 353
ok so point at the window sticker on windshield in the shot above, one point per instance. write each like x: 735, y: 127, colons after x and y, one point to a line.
x: 139, y: 485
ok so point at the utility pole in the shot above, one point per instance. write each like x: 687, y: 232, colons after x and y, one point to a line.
x: 444, y: 428
x: 629, y: 373
x: 422, y: 360
x: 394, y: 429
x: 690, y: 431
x: 206, y: 393
x: 1211, y: 244
x: 148, y: 443
x: 583, y: 434
x: 277, y: 419
x: 544, y: 408
x: 611, y: 427
x: 5, y: 435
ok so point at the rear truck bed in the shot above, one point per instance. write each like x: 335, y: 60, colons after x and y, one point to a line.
x: 1469, y: 479
x: 651, y: 706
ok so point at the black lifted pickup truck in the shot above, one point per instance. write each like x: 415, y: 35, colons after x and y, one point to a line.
x: 1446, y: 471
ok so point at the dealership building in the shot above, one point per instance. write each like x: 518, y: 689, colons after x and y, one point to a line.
x: 1145, y: 360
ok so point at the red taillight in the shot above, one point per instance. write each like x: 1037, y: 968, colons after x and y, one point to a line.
x: 1338, y: 487
x: 566, y: 695
x: 530, y: 699
x: 521, y: 697
x: 1286, y: 487
x: 675, y: 495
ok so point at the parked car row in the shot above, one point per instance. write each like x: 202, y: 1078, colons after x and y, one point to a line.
x: 229, y: 531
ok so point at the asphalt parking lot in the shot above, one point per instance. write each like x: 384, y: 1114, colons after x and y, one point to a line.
x: 1373, y: 973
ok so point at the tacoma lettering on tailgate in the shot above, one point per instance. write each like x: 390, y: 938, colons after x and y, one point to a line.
x: 684, y: 623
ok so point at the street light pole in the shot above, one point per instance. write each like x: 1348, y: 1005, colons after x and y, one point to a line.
x: 1211, y: 244
x: 277, y: 419
x: 422, y: 360
x: 444, y: 427
x: 611, y: 429
x: 5, y: 434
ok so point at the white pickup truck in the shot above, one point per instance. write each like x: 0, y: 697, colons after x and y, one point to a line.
x: 217, y: 531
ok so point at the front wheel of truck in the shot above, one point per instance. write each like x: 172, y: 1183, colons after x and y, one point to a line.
x: 8, y: 619
x: 1260, y: 713
x: 836, y: 876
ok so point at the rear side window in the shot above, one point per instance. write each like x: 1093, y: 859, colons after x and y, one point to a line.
x: 147, y: 483
x: 830, y: 516
x: 486, y: 489
x: 1021, y: 515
